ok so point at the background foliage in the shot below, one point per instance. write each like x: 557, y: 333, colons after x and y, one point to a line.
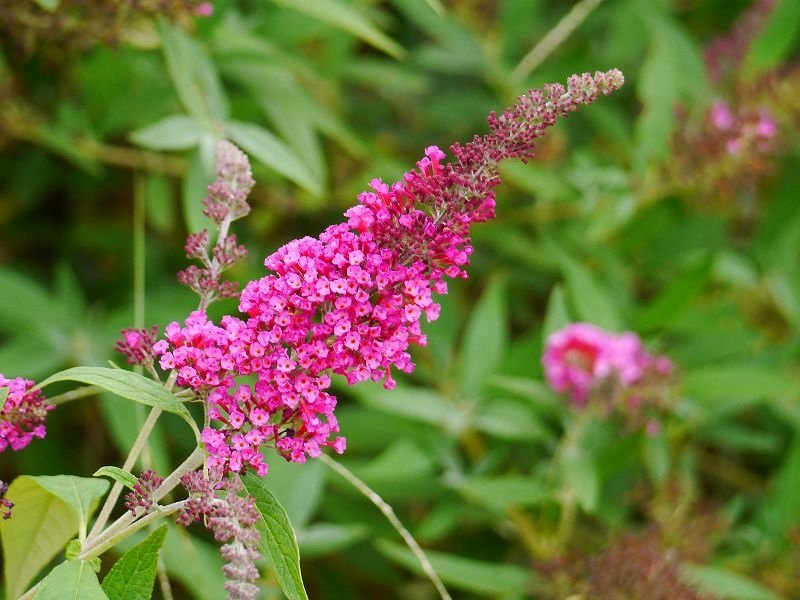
x: 514, y: 494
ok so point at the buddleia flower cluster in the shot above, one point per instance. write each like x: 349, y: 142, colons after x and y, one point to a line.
x: 351, y: 301
x: 22, y: 413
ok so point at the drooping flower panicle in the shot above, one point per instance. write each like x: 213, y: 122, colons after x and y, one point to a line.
x: 23, y: 415
x: 232, y: 519
x: 351, y: 301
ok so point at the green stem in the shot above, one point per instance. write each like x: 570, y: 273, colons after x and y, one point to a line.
x: 553, y: 39
x: 127, y: 523
x: 139, y: 234
x: 87, y: 390
x: 389, y: 513
x: 140, y: 442
x: 123, y: 527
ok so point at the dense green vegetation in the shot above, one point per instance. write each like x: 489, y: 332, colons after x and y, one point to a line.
x: 668, y: 209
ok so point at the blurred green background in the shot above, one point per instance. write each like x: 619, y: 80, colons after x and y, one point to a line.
x: 635, y: 216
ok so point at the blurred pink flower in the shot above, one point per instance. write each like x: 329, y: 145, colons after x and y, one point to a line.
x: 721, y: 115
x: 581, y: 357
x: 204, y: 9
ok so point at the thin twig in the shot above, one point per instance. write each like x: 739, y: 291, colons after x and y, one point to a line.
x: 127, y: 523
x: 140, y: 442
x: 553, y: 39
x: 389, y: 513
x: 125, y: 526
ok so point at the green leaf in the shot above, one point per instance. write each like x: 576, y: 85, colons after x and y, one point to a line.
x: 133, y: 575
x: 484, y: 341
x: 782, y: 505
x: 3, y: 398
x: 118, y: 475
x: 502, y: 492
x: 197, y: 180
x: 160, y: 205
x: 581, y: 478
x: 557, y: 315
x: 195, y: 563
x: 175, y: 132
x: 79, y: 493
x: 126, y: 384
x: 24, y: 305
x: 470, y: 575
x: 656, y: 456
x: 401, y: 461
x: 321, y: 539
x: 675, y: 299
x: 776, y: 41
x: 673, y: 70
x: 48, y: 5
x: 591, y: 300
x: 32, y: 355
x: 538, y: 394
x: 298, y: 487
x: 510, y: 420
x: 193, y: 74
x: 278, y: 540
x: 416, y: 403
x: 41, y: 526
x: 71, y: 579
x: 348, y: 18
x: 726, y: 585
x: 274, y: 153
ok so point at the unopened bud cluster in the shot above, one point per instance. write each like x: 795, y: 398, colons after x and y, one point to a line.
x: 141, y: 496
x: 225, y: 203
x: 137, y: 345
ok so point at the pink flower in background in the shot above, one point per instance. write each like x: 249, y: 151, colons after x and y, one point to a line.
x: 582, y: 357
x: 766, y: 127
x: 23, y: 414
x: 204, y: 9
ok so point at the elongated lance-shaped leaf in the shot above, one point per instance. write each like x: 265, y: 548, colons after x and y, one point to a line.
x: 127, y: 384
x: 348, y: 18
x: 278, y: 540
